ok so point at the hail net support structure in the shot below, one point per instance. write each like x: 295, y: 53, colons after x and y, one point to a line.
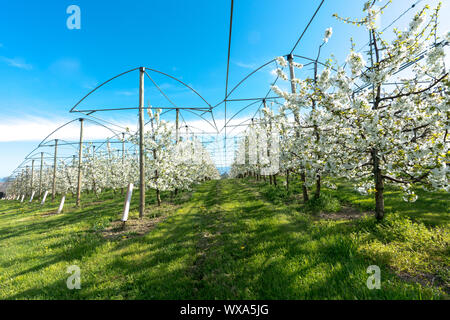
x: 143, y: 73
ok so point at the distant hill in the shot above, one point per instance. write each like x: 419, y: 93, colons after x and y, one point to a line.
x: 3, y: 184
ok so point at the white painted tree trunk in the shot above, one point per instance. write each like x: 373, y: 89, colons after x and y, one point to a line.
x: 126, y: 207
x: 45, y: 197
x: 61, y: 205
x: 32, y: 196
x: 23, y: 196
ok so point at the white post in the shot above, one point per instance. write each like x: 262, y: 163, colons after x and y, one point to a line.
x: 126, y: 207
x: 45, y: 196
x: 23, y: 196
x: 32, y: 196
x: 61, y: 205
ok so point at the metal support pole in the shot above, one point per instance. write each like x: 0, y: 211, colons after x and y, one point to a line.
x: 292, y: 77
x: 54, y: 170
x: 297, y: 122
x: 40, y: 173
x: 177, y: 129
x: 80, y: 159
x: 32, y: 176
x: 123, y: 148
x: 22, y: 181
x: 27, y: 176
x: 141, y: 144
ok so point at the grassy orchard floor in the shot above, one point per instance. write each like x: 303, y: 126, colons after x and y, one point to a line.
x: 229, y: 239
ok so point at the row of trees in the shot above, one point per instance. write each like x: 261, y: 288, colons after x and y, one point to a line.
x: 368, y: 121
x: 170, y: 166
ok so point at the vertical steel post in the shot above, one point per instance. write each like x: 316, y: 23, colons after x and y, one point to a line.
x: 27, y: 175
x: 177, y: 130
x: 123, y: 148
x: 141, y: 144
x: 32, y: 176
x: 292, y: 77
x: 40, y: 173
x: 54, y: 170
x: 297, y: 122
x: 80, y: 159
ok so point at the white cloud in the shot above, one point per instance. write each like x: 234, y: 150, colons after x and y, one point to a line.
x: 245, y: 65
x: 66, y: 66
x: 32, y: 128
x: 17, y: 63
x: 127, y: 92
x: 37, y: 128
x: 90, y: 84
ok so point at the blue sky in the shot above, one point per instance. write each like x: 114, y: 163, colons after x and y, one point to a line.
x: 45, y: 68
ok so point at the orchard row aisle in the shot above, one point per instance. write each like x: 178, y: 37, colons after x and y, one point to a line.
x: 226, y: 240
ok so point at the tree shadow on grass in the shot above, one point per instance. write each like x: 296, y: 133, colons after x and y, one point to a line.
x: 225, y: 243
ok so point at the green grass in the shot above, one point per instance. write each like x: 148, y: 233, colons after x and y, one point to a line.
x: 229, y: 239
x: 431, y: 208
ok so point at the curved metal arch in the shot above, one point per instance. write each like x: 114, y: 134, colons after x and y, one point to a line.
x: 30, y: 157
x: 99, y: 86
x: 244, y: 79
x: 103, y: 120
x: 240, y: 125
x: 201, y: 116
x: 100, y: 124
x: 242, y: 109
x: 103, y: 143
x: 64, y: 142
x: 60, y: 127
x: 186, y: 85
x: 264, y: 65
x: 41, y: 144
x: 115, y: 134
x: 160, y: 90
x: 173, y: 103
x: 314, y: 60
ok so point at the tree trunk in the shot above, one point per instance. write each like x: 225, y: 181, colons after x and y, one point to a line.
x: 274, y: 179
x: 379, y: 186
x: 317, y: 194
x: 287, y: 180
x: 158, y: 197
x: 305, y: 190
x: 270, y: 179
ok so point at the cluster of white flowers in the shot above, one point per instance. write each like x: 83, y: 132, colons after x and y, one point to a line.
x: 328, y: 33
x: 169, y: 165
x: 281, y: 61
x: 374, y: 136
x: 356, y: 62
